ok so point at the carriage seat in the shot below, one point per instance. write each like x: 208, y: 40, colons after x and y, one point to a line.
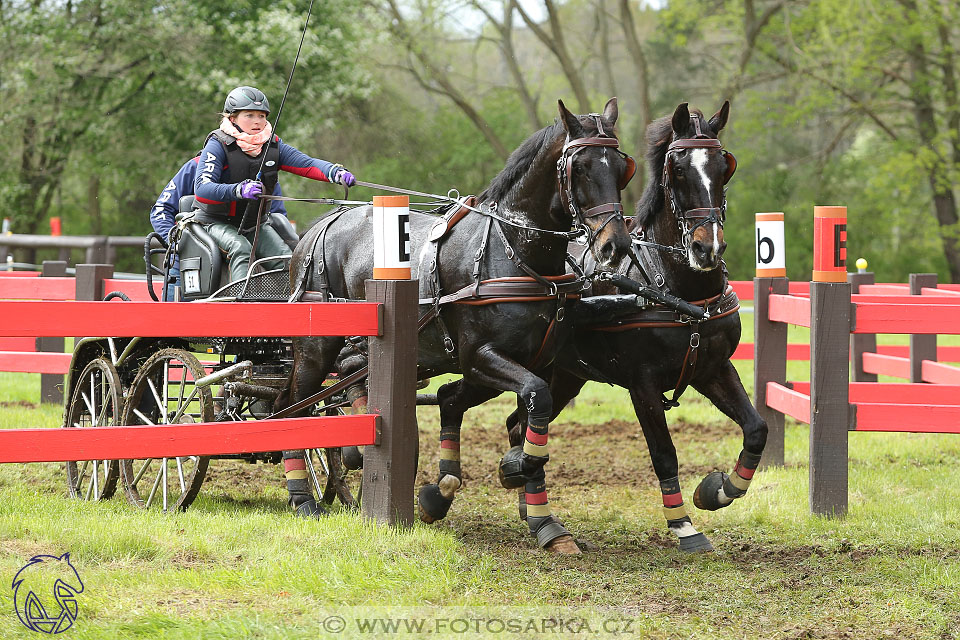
x: 203, y: 269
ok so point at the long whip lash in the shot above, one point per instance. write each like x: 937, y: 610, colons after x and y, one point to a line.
x: 276, y: 123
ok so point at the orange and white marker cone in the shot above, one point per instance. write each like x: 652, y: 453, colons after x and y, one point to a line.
x: 391, y: 237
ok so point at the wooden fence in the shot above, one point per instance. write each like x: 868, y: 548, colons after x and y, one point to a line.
x: 844, y: 324
x: 389, y: 318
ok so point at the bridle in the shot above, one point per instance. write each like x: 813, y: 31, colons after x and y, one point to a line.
x: 700, y: 216
x: 612, y: 210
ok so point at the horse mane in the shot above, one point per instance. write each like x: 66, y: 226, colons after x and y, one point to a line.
x: 659, y: 137
x: 519, y: 163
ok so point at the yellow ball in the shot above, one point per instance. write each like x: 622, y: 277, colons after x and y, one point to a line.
x: 861, y: 263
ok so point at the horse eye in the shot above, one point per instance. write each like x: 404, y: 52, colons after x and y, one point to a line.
x: 678, y: 172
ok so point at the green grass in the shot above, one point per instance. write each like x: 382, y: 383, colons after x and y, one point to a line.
x: 237, y: 565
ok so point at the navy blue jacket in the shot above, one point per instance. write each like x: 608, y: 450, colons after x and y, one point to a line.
x: 213, y: 184
x: 164, y: 212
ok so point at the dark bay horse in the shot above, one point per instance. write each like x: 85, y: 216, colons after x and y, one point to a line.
x: 678, y: 233
x: 493, y: 273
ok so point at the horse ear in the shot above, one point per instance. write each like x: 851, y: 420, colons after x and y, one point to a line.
x: 611, y: 112
x: 719, y: 119
x: 681, y: 119
x: 570, y: 122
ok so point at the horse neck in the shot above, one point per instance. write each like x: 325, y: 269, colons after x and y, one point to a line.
x: 535, y: 202
x: 682, y: 280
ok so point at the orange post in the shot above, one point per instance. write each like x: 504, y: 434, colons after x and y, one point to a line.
x: 829, y: 244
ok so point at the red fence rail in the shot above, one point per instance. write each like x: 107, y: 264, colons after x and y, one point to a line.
x: 388, y: 318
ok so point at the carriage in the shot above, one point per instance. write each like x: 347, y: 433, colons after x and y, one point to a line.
x: 191, y: 379
x: 504, y: 290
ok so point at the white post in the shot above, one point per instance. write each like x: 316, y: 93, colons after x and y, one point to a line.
x: 771, y: 248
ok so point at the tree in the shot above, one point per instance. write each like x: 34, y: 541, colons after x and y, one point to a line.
x: 830, y: 73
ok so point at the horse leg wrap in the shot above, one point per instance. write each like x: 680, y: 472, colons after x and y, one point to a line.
x: 434, y: 500
x: 542, y: 523
x: 517, y: 468
x: 522, y: 464
x: 546, y: 529
x: 298, y: 485
x: 738, y: 482
x: 678, y: 521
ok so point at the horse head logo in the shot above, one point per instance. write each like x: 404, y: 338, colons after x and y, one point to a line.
x: 32, y: 587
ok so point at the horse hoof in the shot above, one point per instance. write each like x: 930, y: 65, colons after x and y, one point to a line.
x: 565, y: 545
x: 705, y: 497
x: 310, y: 509
x: 698, y: 543
x: 432, y: 506
x: 352, y: 458
x: 511, y: 469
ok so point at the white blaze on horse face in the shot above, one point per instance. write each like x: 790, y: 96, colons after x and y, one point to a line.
x: 698, y: 160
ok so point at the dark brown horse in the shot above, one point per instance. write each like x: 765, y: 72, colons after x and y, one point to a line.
x: 678, y: 233
x: 492, y: 278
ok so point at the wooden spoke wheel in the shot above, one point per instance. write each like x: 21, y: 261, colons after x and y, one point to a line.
x: 331, y: 478
x: 96, y: 402
x: 164, y: 391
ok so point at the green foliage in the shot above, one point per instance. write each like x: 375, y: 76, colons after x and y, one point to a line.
x: 105, y: 100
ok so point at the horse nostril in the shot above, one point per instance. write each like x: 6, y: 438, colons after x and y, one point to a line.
x: 723, y: 247
x: 699, y: 249
x: 607, y: 251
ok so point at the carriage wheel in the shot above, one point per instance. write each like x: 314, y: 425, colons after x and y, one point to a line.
x: 164, y: 392
x: 331, y: 478
x: 96, y: 402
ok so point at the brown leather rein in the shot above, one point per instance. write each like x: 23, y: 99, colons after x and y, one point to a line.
x: 718, y: 306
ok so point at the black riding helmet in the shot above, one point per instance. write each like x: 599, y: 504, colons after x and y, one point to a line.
x: 246, y: 99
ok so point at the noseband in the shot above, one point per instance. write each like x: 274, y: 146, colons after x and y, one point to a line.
x: 565, y: 180
x: 702, y: 215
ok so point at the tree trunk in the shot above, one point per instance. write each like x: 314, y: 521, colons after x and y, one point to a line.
x: 93, y: 205
x: 555, y: 42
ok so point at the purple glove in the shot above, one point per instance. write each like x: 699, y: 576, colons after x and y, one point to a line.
x: 249, y: 189
x: 345, y: 178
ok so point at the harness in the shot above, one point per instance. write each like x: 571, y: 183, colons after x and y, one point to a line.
x: 532, y: 287
x: 647, y: 258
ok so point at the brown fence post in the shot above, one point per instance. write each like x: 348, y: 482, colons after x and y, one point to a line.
x: 829, y: 363
x: 769, y: 364
x: 390, y: 468
x: 860, y: 343
x: 769, y: 338
x: 90, y: 279
x: 51, y: 384
x: 922, y: 347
